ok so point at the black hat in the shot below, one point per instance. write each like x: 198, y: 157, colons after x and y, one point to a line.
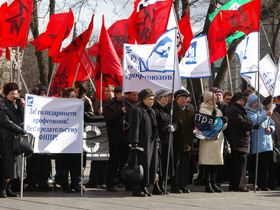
x: 10, y: 87
x: 267, y: 100
x: 237, y: 96
x: 42, y: 88
x: 147, y: 92
x: 181, y: 92
x: 118, y: 89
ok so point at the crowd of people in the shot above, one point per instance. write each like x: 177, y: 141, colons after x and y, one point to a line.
x: 170, y: 150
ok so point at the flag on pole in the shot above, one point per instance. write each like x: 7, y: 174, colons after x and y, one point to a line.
x: 151, y: 19
x: 196, y: 62
x: 247, y: 53
x: 56, y: 23
x: 186, y: 32
x: 107, y: 63
x: 78, y: 44
x: 151, y: 66
x: 66, y: 70
x: 14, y: 23
x: 230, y: 5
x: 60, y: 36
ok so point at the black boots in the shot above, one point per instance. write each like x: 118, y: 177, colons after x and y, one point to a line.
x: 157, y: 190
x: 137, y: 191
x: 208, y: 188
x: 9, y: 192
x: 5, y: 190
x: 145, y: 190
x: 216, y: 188
x: 65, y: 186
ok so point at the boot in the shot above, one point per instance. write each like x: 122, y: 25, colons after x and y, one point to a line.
x: 65, y: 186
x: 208, y: 188
x: 157, y: 190
x: 3, y: 187
x: 162, y: 186
x: 9, y: 192
x: 215, y: 187
x: 145, y: 190
x: 137, y: 191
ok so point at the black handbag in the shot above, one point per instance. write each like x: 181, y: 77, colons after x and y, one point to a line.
x: 276, y: 154
x: 134, y: 172
x: 23, y: 144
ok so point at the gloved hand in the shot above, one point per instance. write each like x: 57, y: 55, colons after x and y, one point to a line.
x: 214, y: 113
x: 256, y: 126
x: 171, y: 128
x: 23, y: 132
x: 225, y: 119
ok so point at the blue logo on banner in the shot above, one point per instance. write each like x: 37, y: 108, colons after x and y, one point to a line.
x: 245, y: 53
x: 30, y: 100
x: 191, y: 54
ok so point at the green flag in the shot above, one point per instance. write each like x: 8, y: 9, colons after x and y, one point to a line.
x: 231, y: 5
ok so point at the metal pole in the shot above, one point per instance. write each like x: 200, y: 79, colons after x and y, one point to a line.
x: 201, y: 85
x: 171, y: 115
x: 11, y: 64
x: 53, y: 74
x: 21, y: 180
x: 101, y: 78
x: 268, y: 44
x: 229, y: 74
x: 76, y: 74
x: 82, y: 179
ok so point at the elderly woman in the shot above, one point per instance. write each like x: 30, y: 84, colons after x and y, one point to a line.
x: 163, y: 120
x: 265, y: 146
x: 143, y: 132
x: 211, y: 152
x: 11, y: 118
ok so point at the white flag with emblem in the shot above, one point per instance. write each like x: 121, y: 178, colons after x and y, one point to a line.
x: 196, y: 62
x: 151, y: 66
x: 247, y: 53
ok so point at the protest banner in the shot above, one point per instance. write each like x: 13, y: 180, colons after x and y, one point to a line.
x: 208, y: 127
x: 151, y: 66
x: 96, y: 143
x: 56, y: 123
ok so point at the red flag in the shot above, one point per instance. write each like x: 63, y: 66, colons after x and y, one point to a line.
x: 14, y: 23
x: 46, y: 39
x: 8, y: 53
x: 245, y: 19
x: 66, y: 71
x: 150, y: 21
x: 78, y: 44
x: 118, y: 33
x: 186, y: 31
x: 107, y: 63
x: 217, y: 49
x: 1, y: 51
x: 60, y: 36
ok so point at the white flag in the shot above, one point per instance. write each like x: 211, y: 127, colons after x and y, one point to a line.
x: 268, y: 71
x: 151, y: 66
x: 196, y: 63
x: 247, y: 53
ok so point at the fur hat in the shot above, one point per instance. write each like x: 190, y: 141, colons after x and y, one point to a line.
x: 147, y: 92
x: 181, y: 92
x: 159, y: 93
x: 118, y: 89
x: 10, y: 87
x: 237, y: 96
x: 42, y: 88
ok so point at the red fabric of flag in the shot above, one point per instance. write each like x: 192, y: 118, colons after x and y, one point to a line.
x: 8, y: 53
x: 150, y: 21
x: 78, y: 44
x: 61, y: 35
x: 118, y: 33
x: 217, y: 49
x: 107, y: 63
x: 14, y: 23
x: 186, y: 31
x: 46, y: 39
x: 66, y: 71
x: 245, y: 19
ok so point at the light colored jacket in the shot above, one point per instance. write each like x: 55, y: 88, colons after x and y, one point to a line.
x: 211, y: 152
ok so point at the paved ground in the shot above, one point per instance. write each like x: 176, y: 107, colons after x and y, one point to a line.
x: 96, y: 198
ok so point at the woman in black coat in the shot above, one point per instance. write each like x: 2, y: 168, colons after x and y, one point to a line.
x: 11, y: 118
x: 143, y: 133
x: 162, y: 111
x: 238, y: 135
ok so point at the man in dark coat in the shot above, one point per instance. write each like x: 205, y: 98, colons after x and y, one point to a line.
x: 143, y: 133
x: 118, y: 145
x: 182, y: 142
x: 238, y: 135
x: 11, y: 118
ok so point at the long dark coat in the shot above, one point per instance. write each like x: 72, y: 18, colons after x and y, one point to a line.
x: 10, y: 125
x: 141, y: 132
x: 239, y: 128
x: 163, y: 119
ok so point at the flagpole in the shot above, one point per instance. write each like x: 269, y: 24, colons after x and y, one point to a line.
x: 171, y: 114
x: 101, y: 78
x: 11, y: 63
x: 93, y: 86
x: 229, y: 74
x: 18, y: 78
x: 268, y: 44
x: 53, y: 73
x: 258, y: 120
x: 201, y: 85
x: 76, y: 73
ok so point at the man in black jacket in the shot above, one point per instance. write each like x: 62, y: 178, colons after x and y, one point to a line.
x: 118, y: 145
